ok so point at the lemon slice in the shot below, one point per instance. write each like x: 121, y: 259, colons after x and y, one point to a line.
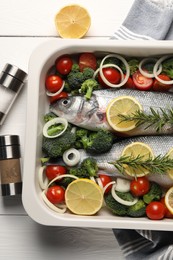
x: 124, y: 105
x: 134, y: 150
x: 72, y: 21
x: 169, y: 199
x: 84, y: 197
x: 170, y: 155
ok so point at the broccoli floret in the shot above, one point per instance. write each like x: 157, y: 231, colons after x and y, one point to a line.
x: 49, y: 116
x: 88, y: 86
x: 55, y: 147
x: 155, y: 193
x: 75, y: 79
x: 94, y: 142
x: 81, y: 138
x: 80, y: 172
x: 90, y: 165
x: 114, y: 206
x: 99, y: 142
x: 76, y: 171
x: 127, y: 196
x: 87, y: 169
x: 137, y: 210
x: 75, y: 67
x: 67, y: 87
x: 81, y: 132
x: 88, y: 73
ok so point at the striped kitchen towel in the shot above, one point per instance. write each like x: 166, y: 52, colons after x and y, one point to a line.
x: 146, y: 20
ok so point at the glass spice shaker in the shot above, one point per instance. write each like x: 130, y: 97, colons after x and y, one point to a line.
x: 10, y: 168
x: 12, y: 79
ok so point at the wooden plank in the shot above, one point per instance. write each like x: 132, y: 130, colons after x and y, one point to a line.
x: 21, y: 238
x: 36, y: 18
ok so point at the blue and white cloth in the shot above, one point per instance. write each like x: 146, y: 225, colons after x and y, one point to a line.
x: 146, y: 20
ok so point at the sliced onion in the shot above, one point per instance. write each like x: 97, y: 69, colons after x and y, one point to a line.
x: 71, y: 157
x: 108, y: 184
x: 147, y: 74
x: 126, y: 66
x: 121, y: 201
x: 92, y: 179
x: 99, y: 182
x: 62, y: 176
x: 123, y: 185
x: 43, y: 180
x: 50, y: 94
x: 155, y: 69
x: 56, y: 120
x: 58, y: 208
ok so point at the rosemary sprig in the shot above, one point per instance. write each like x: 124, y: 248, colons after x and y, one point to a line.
x: 158, y: 119
x: 159, y: 164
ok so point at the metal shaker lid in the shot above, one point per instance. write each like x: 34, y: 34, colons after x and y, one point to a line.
x: 15, y: 72
x: 9, y: 147
x: 11, y: 189
x: 6, y: 140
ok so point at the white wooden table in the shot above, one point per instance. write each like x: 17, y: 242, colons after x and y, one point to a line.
x: 23, y: 26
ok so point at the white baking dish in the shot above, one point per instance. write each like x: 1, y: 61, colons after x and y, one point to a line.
x: 41, y: 60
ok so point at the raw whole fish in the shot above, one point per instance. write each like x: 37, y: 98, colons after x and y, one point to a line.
x: 160, y: 145
x: 91, y: 114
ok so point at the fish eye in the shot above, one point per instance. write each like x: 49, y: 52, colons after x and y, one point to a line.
x: 65, y: 102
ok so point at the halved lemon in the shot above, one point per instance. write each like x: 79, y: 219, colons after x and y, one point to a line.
x: 123, y: 105
x: 169, y: 199
x: 134, y: 150
x: 170, y: 155
x: 72, y: 21
x: 84, y: 197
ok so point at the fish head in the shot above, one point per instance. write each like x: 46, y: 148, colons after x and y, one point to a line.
x: 67, y: 107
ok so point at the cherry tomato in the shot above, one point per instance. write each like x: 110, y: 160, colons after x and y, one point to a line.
x: 168, y: 214
x: 63, y: 94
x: 53, y: 83
x: 53, y: 171
x: 55, y: 194
x: 111, y: 74
x: 139, y: 186
x: 155, y: 210
x: 158, y: 86
x: 129, y: 84
x: 141, y: 82
x: 105, y: 180
x: 87, y: 60
x: 64, y: 64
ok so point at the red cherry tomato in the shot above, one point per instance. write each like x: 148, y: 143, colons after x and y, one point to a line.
x: 139, y: 186
x: 129, y: 84
x: 87, y: 60
x: 64, y: 64
x: 141, y: 82
x: 105, y: 180
x: 53, y: 83
x: 111, y: 74
x: 55, y: 194
x: 158, y: 86
x: 168, y: 214
x: 53, y: 171
x: 63, y: 94
x: 155, y: 210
